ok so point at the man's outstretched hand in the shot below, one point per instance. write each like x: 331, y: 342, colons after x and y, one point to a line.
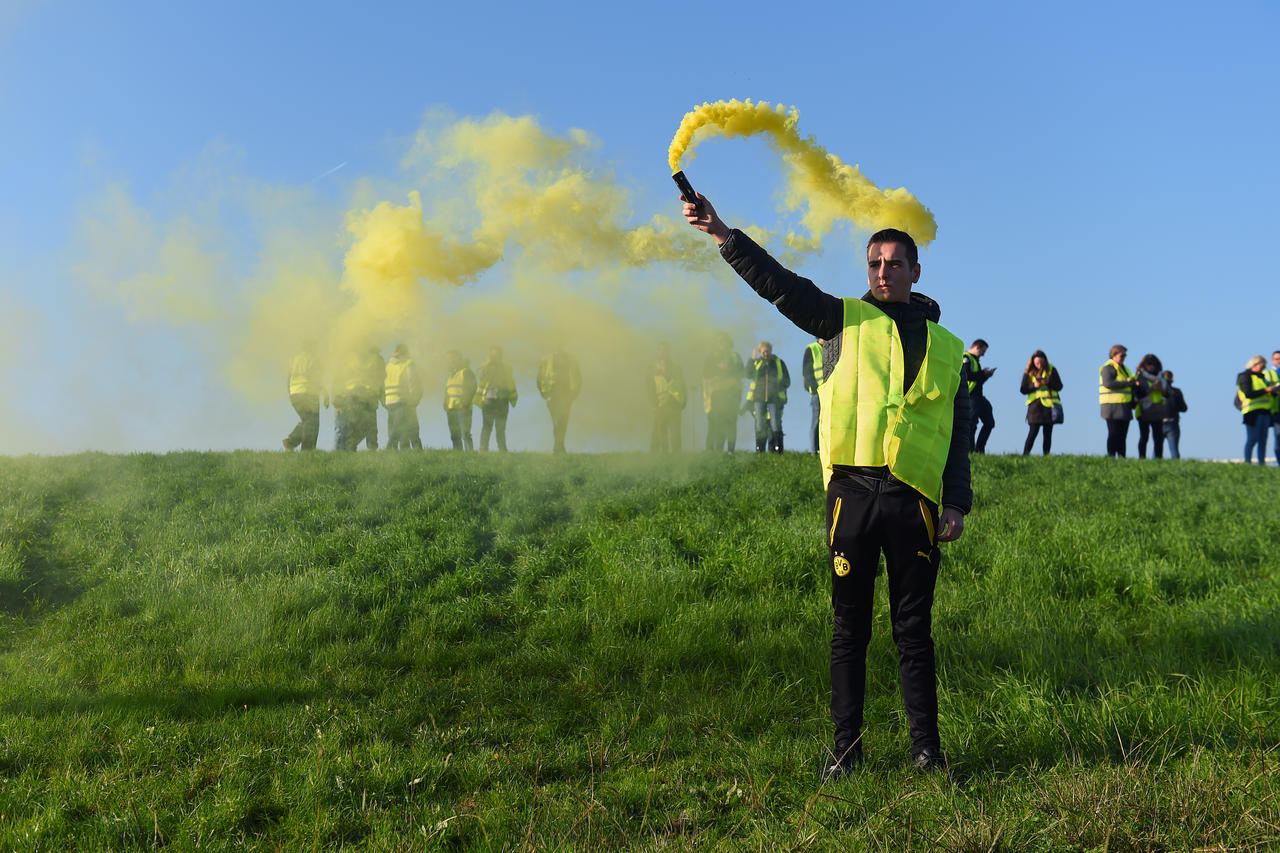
x: 704, y: 218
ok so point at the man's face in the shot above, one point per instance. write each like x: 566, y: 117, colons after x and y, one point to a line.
x: 889, y: 273
x: 1275, y: 360
x: 766, y: 350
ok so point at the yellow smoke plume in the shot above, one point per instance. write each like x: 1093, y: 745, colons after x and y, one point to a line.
x: 826, y: 187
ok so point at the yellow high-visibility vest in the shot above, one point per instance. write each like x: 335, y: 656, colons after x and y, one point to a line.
x: 975, y: 369
x: 781, y: 395
x: 1272, y: 377
x: 1043, y: 394
x: 815, y: 363
x: 867, y: 418
x: 303, y: 368
x: 399, y: 382
x: 1255, y: 404
x: 1105, y: 394
x: 455, y: 389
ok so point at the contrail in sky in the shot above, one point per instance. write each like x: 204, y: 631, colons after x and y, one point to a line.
x: 328, y: 173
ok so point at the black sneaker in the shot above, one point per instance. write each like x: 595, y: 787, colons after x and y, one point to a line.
x: 844, y: 764
x: 929, y: 760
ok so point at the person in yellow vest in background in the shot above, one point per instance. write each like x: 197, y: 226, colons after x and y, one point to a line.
x: 1041, y: 383
x: 559, y: 382
x: 1253, y: 399
x: 1150, y: 408
x: 767, y: 394
x: 358, y: 390
x: 895, y: 456
x: 495, y: 395
x: 812, y: 371
x: 459, y: 396
x: 1272, y: 377
x: 306, y: 389
x: 403, y: 393
x: 975, y: 376
x: 1116, y: 388
x: 722, y: 393
x: 667, y: 395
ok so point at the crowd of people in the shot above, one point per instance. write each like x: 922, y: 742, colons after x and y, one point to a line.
x: 364, y: 381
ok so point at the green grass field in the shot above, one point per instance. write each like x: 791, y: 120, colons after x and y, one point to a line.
x: 436, y: 650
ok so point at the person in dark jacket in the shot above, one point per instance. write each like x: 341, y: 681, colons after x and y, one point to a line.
x: 890, y: 364
x: 811, y: 370
x: 721, y: 393
x: 667, y: 396
x: 1041, y: 384
x: 1175, y: 405
x: 975, y: 376
x: 767, y: 394
x: 1116, y: 390
x: 1150, y: 408
x: 1254, y: 397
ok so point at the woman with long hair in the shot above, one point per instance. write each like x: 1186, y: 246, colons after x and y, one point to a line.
x: 1151, y: 408
x: 1041, y: 384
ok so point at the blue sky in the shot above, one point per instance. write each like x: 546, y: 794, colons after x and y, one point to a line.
x: 1100, y: 173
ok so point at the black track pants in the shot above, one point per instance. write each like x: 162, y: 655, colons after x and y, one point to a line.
x: 865, y: 517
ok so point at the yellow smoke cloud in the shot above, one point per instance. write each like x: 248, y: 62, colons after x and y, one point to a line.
x: 496, y: 231
x: 826, y: 187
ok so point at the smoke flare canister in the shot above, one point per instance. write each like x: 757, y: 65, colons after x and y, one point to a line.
x: 686, y: 189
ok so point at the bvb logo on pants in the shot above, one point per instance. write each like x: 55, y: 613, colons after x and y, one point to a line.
x: 841, y: 566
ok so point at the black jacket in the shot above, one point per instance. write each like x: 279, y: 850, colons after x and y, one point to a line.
x: 822, y: 315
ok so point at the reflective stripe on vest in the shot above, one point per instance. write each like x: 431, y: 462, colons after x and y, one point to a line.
x: 781, y: 395
x: 302, y: 379
x: 867, y: 419
x: 399, y: 385
x: 1044, y: 394
x: 1255, y: 404
x: 1105, y: 394
x: 815, y: 363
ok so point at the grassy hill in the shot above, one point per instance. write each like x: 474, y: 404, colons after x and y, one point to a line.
x: 437, y: 650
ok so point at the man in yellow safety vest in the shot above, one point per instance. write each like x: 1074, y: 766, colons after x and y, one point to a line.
x: 667, y: 395
x: 459, y: 395
x: 812, y: 371
x: 559, y: 382
x: 894, y: 442
x: 306, y: 389
x: 403, y: 393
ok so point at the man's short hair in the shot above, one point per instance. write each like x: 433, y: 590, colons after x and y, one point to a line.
x: 978, y: 342
x: 902, y: 238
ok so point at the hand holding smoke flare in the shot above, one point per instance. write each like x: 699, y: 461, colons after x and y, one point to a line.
x: 686, y: 190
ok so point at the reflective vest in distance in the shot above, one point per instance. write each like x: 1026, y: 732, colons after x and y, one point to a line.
x: 815, y: 363
x: 975, y: 369
x: 781, y: 395
x: 867, y: 418
x: 669, y: 386
x: 1105, y: 394
x: 1272, y: 377
x: 455, y: 389
x: 400, y: 386
x: 303, y: 368
x: 1255, y: 404
x: 1046, y: 397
